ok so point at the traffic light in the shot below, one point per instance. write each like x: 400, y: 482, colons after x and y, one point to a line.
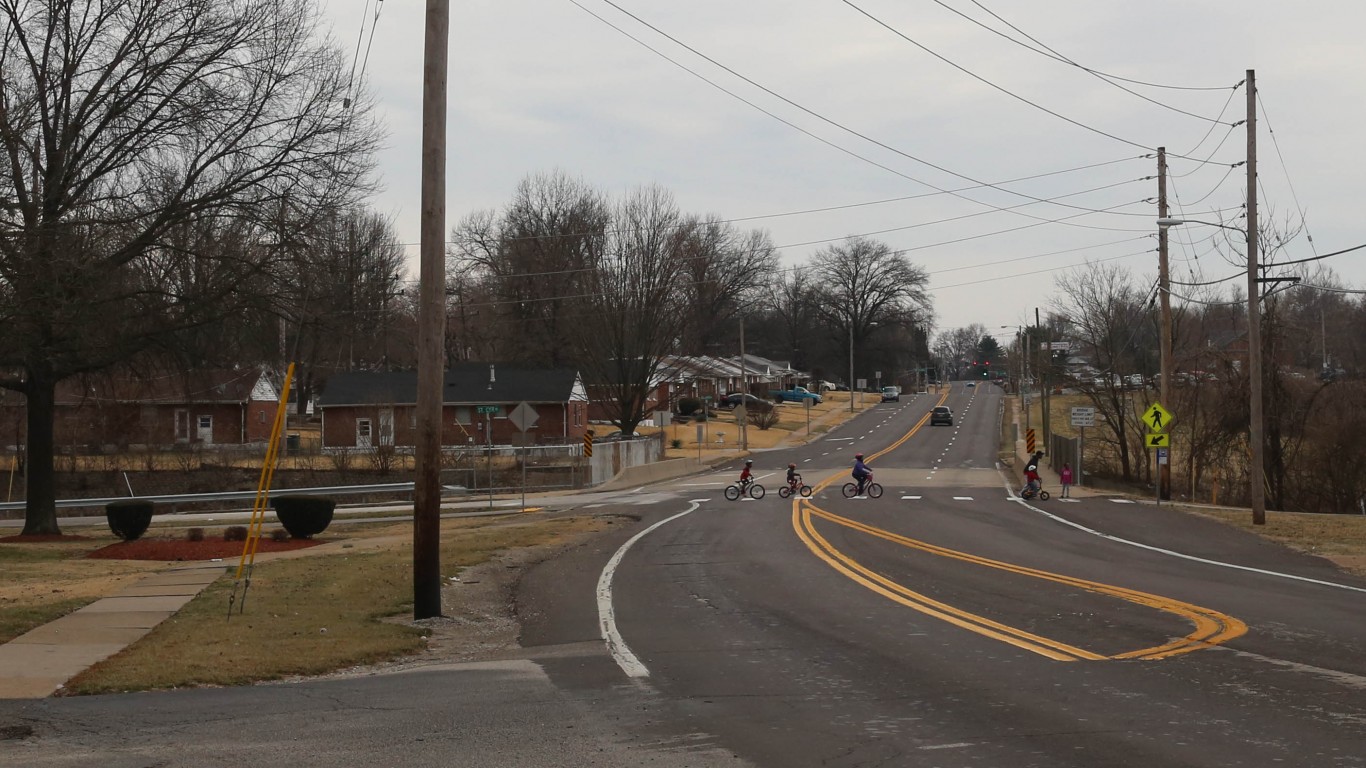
x: 986, y: 371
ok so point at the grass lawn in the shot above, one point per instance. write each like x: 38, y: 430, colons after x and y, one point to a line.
x: 311, y: 615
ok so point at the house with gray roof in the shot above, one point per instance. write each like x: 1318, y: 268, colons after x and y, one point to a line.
x: 365, y: 409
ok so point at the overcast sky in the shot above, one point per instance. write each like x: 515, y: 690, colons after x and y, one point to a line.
x: 877, y: 107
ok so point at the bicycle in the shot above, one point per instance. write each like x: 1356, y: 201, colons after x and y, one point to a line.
x: 798, y: 487
x: 870, y: 488
x: 751, y: 488
x: 1029, y: 493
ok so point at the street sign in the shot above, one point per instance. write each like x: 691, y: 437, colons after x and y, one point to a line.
x: 1159, y: 440
x: 1029, y: 441
x: 524, y: 416
x: 1083, y: 416
x: 740, y: 413
x: 485, y: 409
x: 588, y: 442
x: 1056, y: 346
x: 1157, y: 418
x: 1162, y: 455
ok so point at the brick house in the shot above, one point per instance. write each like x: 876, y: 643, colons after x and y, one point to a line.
x: 210, y: 407
x: 365, y: 409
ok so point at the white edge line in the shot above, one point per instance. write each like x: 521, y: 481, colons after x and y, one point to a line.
x: 607, y: 620
x: 1182, y: 555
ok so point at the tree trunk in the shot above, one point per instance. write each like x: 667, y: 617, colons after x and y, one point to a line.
x: 40, y: 514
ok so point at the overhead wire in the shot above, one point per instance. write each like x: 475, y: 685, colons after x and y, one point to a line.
x: 1067, y: 60
x: 1286, y: 171
x: 1051, y: 53
x: 994, y: 86
x: 806, y: 110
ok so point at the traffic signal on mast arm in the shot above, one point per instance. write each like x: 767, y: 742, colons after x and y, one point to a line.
x: 986, y: 370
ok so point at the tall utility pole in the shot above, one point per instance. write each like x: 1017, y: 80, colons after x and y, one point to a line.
x: 1164, y: 471
x: 1043, y: 378
x: 744, y: 390
x: 431, y: 330
x: 851, y: 361
x: 1257, y: 470
x: 1024, y: 394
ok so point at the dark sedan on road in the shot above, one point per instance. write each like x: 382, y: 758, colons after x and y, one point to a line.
x: 941, y: 414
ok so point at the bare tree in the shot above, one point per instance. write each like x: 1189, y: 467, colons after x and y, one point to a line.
x: 534, y: 261
x: 1104, y: 309
x: 633, y: 292
x: 865, y: 284
x: 724, y: 270
x: 123, y: 123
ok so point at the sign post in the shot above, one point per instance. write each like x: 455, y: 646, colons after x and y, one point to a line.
x: 1158, y: 420
x: 807, y: 401
x: 1082, y: 417
x: 525, y: 417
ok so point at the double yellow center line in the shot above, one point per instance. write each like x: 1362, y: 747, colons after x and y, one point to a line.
x: 1210, y: 627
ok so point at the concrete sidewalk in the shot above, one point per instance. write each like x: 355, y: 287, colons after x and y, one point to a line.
x: 38, y: 663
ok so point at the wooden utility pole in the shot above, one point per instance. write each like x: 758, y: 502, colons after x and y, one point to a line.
x: 744, y: 390
x: 431, y: 332
x: 1164, y: 471
x: 1045, y: 421
x: 1257, y: 470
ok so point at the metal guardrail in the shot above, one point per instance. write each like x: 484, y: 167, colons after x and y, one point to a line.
x: 186, y: 498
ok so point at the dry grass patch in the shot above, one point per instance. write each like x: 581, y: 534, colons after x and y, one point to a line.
x: 1340, y: 538
x: 45, y: 581
x: 311, y: 615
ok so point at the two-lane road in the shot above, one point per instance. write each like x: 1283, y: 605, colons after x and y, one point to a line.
x: 948, y: 623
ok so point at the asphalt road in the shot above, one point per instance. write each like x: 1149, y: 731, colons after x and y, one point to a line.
x: 944, y: 624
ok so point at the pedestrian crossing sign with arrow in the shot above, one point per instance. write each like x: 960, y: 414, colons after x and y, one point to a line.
x: 1157, y: 418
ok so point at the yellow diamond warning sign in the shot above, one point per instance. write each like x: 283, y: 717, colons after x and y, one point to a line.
x: 1157, y: 418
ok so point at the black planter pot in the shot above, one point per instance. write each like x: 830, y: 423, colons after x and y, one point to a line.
x: 129, y: 518
x: 303, y: 516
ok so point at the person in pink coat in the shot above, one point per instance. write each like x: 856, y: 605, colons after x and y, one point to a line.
x: 1066, y: 477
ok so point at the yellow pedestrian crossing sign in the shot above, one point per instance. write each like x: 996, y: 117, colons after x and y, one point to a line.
x: 1157, y: 418
x: 1159, y: 440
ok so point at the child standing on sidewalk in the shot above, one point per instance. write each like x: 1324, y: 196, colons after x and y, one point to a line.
x: 1066, y: 477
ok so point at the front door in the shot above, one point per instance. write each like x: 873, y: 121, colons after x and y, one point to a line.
x: 386, y: 426
x: 362, y: 433
x: 182, y: 425
x: 205, y: 431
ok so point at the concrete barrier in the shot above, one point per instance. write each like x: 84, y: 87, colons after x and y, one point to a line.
x: 644, y: 474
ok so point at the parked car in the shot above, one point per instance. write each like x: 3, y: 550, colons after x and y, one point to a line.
x: 796, y: 394
x: 823, y: 386
x: 941, y: 414
x: 891, y: 395
x: 752, y: 402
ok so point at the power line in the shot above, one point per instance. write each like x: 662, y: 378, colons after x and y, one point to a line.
x: 1002, y: 89
x: 1286, y: 171
x: 808, y: 111
x: 1051, y: 53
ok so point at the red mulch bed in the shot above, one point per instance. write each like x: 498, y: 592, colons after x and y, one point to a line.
x: 40, y: 539
x: 184, y: 549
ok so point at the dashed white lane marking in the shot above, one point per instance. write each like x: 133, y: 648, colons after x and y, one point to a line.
x: 805, y: 460
x: 912, y: 498
x: 962, y: 498
x: 594, y: 506
x: 1122, y: 501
